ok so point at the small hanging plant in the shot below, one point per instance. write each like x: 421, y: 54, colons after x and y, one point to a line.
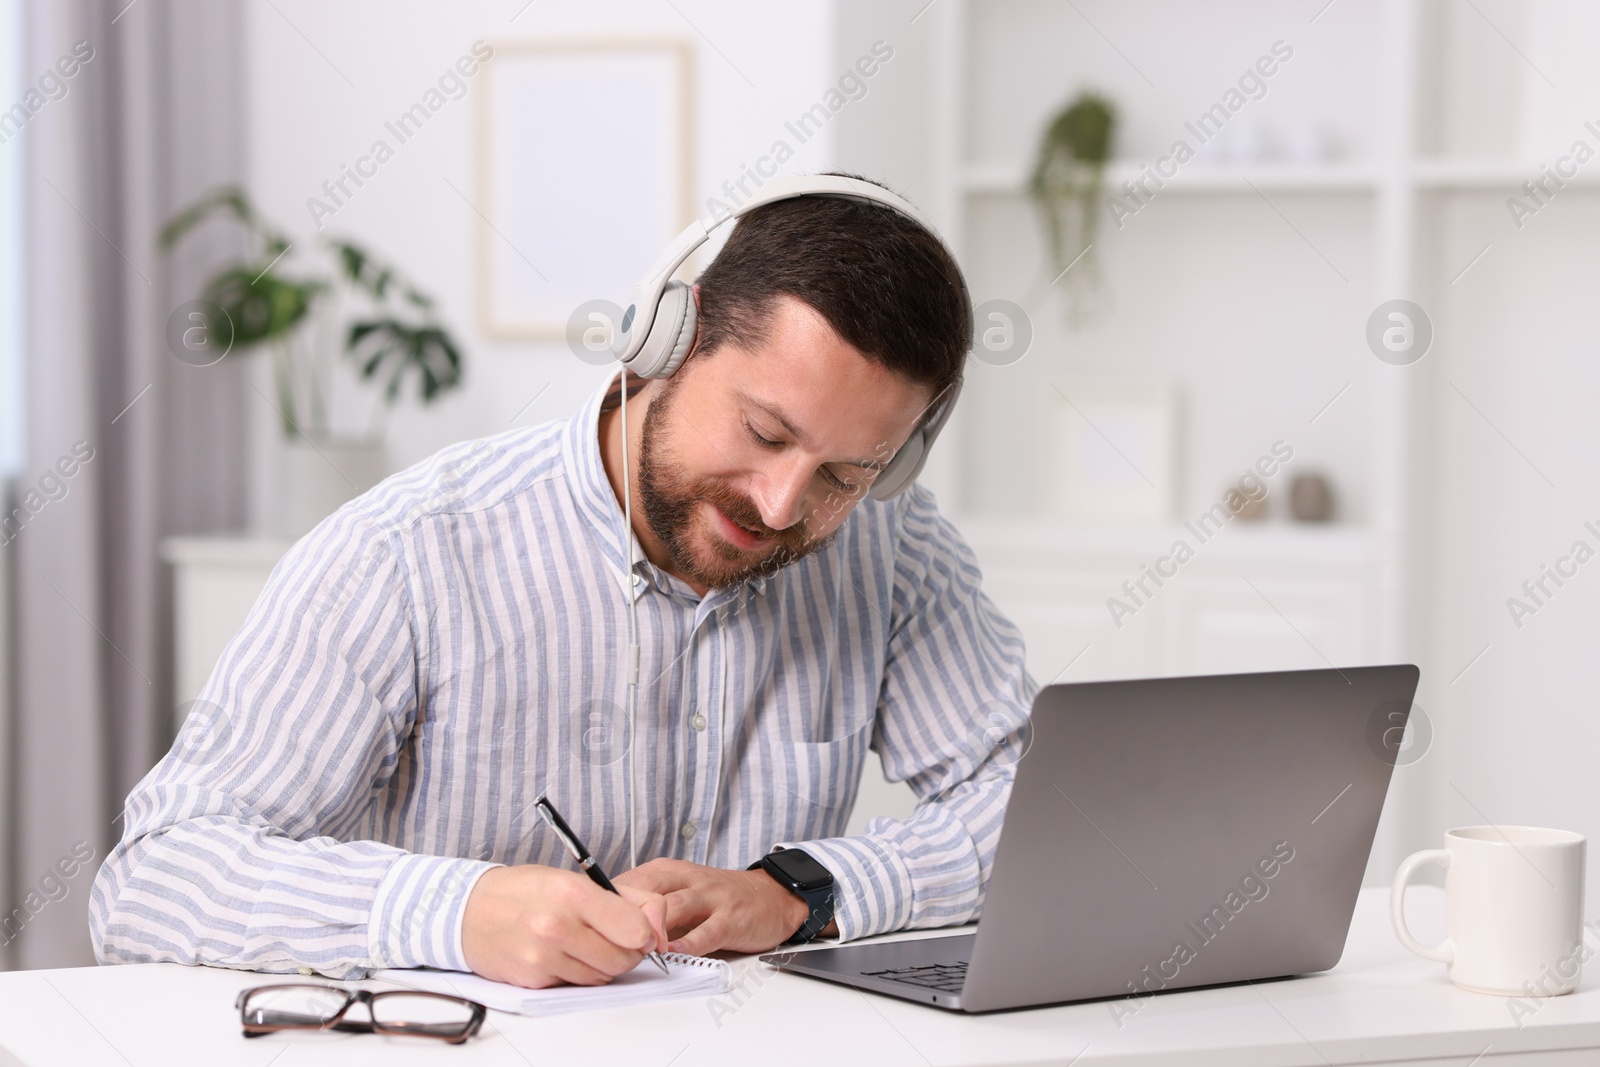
x: 1066, y: 184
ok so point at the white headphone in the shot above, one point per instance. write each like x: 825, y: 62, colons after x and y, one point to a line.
x: 659, y: 316
x: 657, y: 332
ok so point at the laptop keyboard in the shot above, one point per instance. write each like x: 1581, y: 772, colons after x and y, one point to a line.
x: 945, y: 977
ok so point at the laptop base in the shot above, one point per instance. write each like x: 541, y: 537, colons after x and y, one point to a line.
x: 865, y: 967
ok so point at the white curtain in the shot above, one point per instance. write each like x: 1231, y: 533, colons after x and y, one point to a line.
x: 155, y: 447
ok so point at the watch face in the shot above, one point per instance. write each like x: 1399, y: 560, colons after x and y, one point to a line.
x: 806, y: 872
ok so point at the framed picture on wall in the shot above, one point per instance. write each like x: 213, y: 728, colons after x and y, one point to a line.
x: 1113, y: 450
x: 584, y: 148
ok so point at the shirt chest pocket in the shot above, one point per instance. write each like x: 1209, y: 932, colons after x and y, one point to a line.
x: 823, y: 778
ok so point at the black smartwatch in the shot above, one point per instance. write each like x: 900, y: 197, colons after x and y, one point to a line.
x: 796, y: 871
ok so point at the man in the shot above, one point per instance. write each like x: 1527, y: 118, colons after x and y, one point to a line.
x: 451, y: 644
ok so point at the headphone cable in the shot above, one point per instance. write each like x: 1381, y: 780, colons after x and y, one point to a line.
x: 631, y: 656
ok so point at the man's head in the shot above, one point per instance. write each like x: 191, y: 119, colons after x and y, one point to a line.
x: 829, y: 330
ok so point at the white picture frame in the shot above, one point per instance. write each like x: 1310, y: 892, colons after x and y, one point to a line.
x: 1113, y: 450
x: 584, y: 150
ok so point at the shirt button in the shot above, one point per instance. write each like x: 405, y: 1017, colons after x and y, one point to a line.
x: 687, y: 831
x: 698, y: 722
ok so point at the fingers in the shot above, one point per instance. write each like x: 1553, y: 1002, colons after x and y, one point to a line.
x: 537, y: 926
x: 591, y: 950
x: 563, y: 967
x: 655, y: 909
x: 686, y: 909
x: 622, y: 920
x: 562, y: 950
x: 706, y: 938
x: 658, y: 876
x: 553, y: 969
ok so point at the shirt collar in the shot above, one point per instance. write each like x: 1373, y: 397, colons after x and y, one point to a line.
x: 597, y: 501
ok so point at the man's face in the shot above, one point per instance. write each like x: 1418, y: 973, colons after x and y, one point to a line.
x: 753, y: 458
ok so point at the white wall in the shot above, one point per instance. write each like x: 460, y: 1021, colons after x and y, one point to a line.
x: 306, y: 120
x: 1518, y: 733
x: 1510, y: 397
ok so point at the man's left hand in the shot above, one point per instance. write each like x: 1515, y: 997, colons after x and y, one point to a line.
x: 710, y: 909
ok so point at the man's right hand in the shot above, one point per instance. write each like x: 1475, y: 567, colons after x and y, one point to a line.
x: 536, y: 926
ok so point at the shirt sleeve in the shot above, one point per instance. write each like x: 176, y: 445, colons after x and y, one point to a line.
x: 240, y: 848
x: 952, y: 720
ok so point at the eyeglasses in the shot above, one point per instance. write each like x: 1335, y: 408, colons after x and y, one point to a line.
x: 305, y: 1006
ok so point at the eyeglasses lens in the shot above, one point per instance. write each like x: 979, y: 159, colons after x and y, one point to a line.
x: 418, y: 1013
x: 293, y: 1005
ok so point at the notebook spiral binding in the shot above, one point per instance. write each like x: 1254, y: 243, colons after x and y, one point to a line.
x: 702, y: 962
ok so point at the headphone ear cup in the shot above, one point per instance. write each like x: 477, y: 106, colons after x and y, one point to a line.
x: 902, y: 470
x: 906, y: 464
x: 671, y: 335
x: 688, y: 328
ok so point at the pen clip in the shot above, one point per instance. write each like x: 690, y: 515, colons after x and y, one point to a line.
x: 550, y: 815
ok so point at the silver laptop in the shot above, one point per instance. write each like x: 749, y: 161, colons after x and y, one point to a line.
x: 1165, y: 834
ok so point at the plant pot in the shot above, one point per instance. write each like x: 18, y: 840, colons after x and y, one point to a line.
x: 319, y: 476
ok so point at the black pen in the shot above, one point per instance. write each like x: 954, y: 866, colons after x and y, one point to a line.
x: 585, y: 861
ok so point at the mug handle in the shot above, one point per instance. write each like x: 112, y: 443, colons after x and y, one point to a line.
x: 1444, y: 951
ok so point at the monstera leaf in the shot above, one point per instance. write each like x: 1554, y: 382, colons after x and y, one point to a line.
x: 363, y: 272
x: 264, y: 302
x: 390, y: 347
x: 231, y: 200
x: 262, y: 306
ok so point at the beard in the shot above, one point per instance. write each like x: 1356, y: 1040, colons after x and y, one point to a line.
x: 672, y: 497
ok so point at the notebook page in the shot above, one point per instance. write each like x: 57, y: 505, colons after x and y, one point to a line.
x: 688, y: 976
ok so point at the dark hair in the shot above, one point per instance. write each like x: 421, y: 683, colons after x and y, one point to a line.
x: 882, y: 281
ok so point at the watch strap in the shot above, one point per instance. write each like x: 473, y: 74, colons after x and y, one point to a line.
x: 819, y: 901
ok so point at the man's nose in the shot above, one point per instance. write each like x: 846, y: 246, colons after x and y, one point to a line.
x: 780, y: 491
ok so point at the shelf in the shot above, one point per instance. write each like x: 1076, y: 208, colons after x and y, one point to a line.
x: 994, y: 179
x: 1492, y: 174
x: 1280, y: 539
x: 1196, y: 177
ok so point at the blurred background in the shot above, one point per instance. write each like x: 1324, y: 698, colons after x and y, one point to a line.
x: 1305, y: 288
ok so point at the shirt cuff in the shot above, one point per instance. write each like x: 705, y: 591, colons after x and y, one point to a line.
x: 418, y: 909
x: 871, y: 884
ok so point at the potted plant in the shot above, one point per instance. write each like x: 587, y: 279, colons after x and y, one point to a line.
x: 1066, y: 184
x: 265, y: 299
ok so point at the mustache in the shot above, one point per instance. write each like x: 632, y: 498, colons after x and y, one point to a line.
x: 742, y: 510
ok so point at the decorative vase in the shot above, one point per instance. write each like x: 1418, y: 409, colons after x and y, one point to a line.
x: 1311, y: 498
x: 1251, y: 508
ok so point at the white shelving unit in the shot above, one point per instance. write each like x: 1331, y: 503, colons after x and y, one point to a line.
x: 1364, y: 583
x: 1441, y: 111
x: 1390, y: 181
x: 1197, y: 177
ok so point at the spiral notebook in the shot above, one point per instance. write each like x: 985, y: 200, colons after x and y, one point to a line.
x: 688, y: 976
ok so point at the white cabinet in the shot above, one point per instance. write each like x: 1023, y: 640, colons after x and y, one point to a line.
x: 216, y: 581
x: 1270, y: 597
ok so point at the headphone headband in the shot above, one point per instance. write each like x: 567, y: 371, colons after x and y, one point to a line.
x: 639, y: 311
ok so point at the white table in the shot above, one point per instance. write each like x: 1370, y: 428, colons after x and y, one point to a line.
x: 1379, y: 1006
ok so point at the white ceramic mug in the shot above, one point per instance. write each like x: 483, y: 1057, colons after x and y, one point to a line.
x: 1513, y: 909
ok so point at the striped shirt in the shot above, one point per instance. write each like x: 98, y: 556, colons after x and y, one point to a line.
x: 448, y: 645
